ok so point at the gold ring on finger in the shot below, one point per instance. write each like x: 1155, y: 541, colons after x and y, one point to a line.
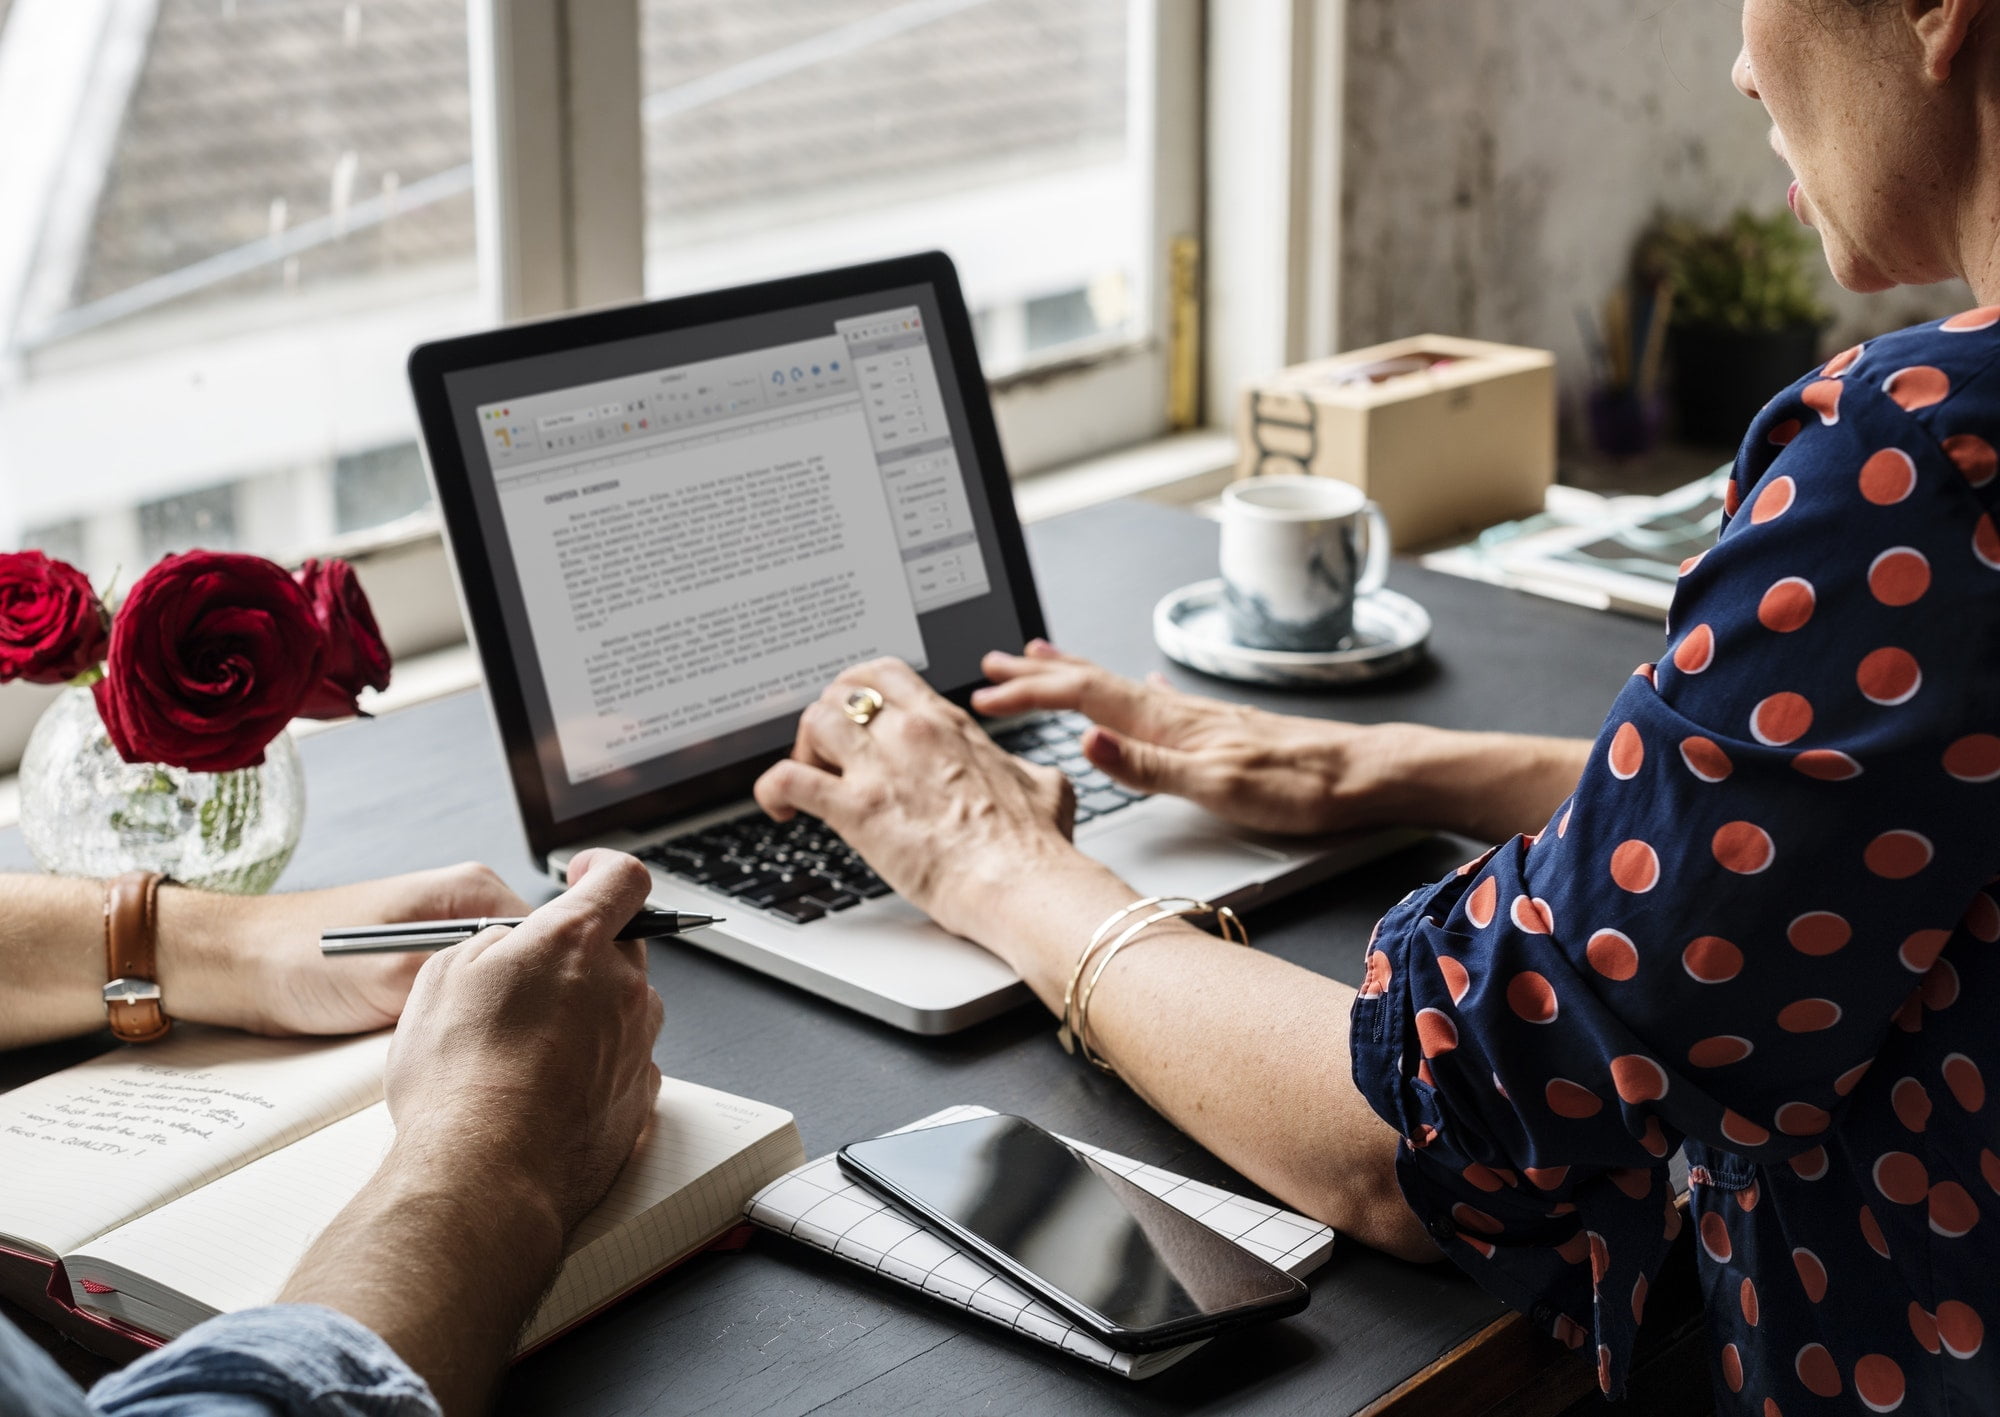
x: 862, y: 705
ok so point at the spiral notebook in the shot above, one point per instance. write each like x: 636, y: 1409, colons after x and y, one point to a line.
x: 816, y: 1203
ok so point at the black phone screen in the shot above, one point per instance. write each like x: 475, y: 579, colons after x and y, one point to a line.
x: 1133, y: 1268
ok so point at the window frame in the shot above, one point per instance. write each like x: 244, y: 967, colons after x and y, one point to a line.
x: 1275, y: 78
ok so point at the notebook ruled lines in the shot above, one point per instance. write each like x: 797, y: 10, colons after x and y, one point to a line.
x: 702, y: 1153
x: 232, y: 1244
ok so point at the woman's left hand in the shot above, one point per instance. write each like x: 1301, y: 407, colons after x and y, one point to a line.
x: 939, y: 810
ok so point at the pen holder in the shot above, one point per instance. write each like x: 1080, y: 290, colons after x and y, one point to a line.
x: 1623, y: 423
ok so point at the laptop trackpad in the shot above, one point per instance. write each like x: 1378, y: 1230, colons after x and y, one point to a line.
x: 1183, y: 853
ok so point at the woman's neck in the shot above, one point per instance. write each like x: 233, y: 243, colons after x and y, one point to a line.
x: 1981, y: 264
x: 1978, y: 224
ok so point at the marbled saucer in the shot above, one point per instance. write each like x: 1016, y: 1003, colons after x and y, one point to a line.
x: 1390, y: 631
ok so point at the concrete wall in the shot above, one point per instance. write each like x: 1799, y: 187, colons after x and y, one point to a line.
x: 1501, y: 157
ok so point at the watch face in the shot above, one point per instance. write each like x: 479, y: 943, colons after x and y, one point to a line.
x: 131, y: 991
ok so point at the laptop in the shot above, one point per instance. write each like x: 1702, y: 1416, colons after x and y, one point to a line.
x: 673, y: 523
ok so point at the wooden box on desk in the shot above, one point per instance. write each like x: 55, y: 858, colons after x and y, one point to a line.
x: 1446, y: 435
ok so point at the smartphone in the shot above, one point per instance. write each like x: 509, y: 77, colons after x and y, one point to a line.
x: 1121, y: 1262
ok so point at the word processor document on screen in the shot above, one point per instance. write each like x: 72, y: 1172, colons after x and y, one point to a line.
x: 701, y: 548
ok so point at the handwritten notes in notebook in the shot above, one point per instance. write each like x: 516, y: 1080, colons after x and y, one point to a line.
x: 86, y: 1149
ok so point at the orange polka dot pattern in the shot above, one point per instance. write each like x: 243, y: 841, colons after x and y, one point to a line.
x: 1765, y: 929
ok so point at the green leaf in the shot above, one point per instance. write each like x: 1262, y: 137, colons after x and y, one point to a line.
x: 1751, y: 273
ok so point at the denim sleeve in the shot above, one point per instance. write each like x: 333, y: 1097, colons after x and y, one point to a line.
x: 301, y: 1360
x: 31, y: 1385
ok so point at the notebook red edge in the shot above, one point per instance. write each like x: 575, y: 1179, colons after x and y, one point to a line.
x: 42, y: 1288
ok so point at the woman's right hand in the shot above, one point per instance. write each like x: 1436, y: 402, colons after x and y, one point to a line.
x: 1270, y: 772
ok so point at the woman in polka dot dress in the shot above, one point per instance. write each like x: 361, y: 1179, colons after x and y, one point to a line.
x: 1761, y: 927
x: 1756, y: 918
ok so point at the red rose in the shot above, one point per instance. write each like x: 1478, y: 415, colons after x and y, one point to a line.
x: 356, y: 658
x: 52, y: 625
x: 211, y: 656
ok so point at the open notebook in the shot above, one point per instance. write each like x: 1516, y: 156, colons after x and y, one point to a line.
x: 816, y: 1203
x: 154, y: 1187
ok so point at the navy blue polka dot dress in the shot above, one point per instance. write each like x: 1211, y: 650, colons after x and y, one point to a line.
x: 1764, y: 927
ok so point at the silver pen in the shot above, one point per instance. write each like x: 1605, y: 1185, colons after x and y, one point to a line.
x: 436, y: 934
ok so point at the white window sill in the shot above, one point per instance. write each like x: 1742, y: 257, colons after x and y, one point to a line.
x: 1181, y: 469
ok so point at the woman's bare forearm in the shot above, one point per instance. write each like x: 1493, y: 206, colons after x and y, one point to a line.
x: 1247, y: 1053
x: 231, y: 961
x: 1244, y: 1052
x: 51, y: 959
x: 1489, y: 786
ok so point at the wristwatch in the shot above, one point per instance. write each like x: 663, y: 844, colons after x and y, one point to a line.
x: 131, y: 939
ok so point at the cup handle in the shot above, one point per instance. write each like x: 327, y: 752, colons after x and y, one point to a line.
x: 1375, y: 570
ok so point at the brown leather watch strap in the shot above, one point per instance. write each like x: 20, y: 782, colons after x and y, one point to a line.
x: 131, y: 937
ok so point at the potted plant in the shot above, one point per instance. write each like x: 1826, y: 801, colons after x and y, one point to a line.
x: 1747, y: 316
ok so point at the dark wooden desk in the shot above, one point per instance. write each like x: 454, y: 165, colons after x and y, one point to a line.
x: 778, y: 1328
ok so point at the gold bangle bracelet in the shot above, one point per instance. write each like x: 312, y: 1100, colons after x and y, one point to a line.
x: 1232, y: 929
x: 1066, y: 1034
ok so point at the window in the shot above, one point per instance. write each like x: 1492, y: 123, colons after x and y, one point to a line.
x: 379, y: 486
x: 1047, y: 145
x: 205, y: 517
x: 227, y: 223
x: 813, y: 132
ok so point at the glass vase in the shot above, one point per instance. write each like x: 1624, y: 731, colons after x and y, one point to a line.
x: 87, y: 812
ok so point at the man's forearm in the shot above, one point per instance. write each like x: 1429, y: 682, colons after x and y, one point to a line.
x: 444, y: 1258
x: 1488, y: 786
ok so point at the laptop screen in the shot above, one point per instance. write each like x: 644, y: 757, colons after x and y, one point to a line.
x: 690, y: 532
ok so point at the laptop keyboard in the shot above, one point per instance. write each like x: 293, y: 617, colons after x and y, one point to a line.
x: 802, y: 871
x: 1056, y: 741
x: 798, y: 870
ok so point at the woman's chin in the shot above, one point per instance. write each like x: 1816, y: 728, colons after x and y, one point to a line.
x: 1854, y: 271
x: 1851, y: 266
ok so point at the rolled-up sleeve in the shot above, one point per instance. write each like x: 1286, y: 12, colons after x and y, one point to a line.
x: 301, y: 1360
x: 1753, y: 882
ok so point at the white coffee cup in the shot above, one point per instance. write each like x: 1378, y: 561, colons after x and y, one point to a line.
x: 1296, y: 552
